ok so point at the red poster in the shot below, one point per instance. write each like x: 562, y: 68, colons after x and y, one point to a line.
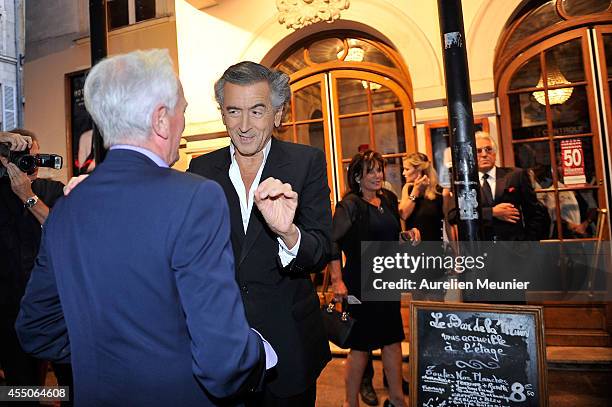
x: 572, y: 159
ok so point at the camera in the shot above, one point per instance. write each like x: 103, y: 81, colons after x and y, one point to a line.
x: 27, y: 162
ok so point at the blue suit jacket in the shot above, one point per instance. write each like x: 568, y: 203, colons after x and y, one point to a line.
x: 136, y: 267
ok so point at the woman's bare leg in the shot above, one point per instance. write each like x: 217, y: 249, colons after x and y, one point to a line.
x: 355, y: 365
x: 392, y: 363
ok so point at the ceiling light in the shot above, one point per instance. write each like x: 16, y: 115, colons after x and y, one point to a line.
x: 373, y: 85
x: 355, y: 54
x: 555, y: 96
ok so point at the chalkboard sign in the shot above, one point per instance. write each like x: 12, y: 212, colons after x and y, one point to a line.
x: 477, y: 355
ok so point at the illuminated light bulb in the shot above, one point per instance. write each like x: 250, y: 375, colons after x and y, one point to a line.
x: 555, y: 96
x: 373, y: 85
x: 355, y: 54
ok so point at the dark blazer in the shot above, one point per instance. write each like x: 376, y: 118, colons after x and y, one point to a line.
x: 281, y: 303
x: 512, y: 185
x: 20, y: 234
x: 136, y: 268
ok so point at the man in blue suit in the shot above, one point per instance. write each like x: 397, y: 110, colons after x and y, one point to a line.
x: 134, y: 283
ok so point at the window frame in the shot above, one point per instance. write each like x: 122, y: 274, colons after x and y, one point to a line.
x: 158, y: 4
x: 506, y: 140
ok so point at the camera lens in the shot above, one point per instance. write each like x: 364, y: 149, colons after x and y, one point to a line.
x: 26, y: 163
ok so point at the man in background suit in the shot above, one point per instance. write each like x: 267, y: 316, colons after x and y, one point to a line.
x: 510, y: 208
x: 281, y: 227
x: 134, y: 282
x: 511, y: 214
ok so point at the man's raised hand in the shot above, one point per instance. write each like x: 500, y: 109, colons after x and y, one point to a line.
x: 278, y: 202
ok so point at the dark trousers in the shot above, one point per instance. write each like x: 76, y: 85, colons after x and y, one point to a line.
x: 267, y: 399
x: 20, y: 369
x: 63, y: 373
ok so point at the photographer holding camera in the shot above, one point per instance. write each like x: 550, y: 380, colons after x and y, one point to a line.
x: 24, y: 206
x: 23, y: 184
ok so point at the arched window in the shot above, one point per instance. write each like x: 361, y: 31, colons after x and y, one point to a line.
x: 553, y: 81
x: 350, y: 92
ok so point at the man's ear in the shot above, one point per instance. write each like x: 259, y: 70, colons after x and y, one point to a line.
x: 278, y: 117
x: 222, y: 115
x: 160, y: 121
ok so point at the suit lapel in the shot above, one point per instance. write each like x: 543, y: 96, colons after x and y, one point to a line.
x: 275, y: 164
x: 254, y: 229
x: 500, y: 183
x: 221, y: 169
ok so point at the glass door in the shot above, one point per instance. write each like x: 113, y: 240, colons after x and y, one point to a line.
x: 549, y: 107
x: 307, y: 121
x: 342, y: 112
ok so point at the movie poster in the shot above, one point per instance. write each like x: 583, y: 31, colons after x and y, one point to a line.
x: 80, y: 127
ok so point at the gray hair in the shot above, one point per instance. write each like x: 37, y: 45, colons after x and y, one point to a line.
x: 121, y: 93
x: 483, y: 135
x: 247, y: 73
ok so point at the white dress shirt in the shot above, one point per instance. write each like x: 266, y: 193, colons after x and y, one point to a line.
x: 492, y: 173
x: 154, y: 157
x: 246, y: 202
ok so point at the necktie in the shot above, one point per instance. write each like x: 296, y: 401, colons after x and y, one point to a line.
x: 487, y: 195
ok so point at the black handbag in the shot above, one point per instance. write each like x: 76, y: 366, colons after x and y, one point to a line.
x: 337, y: 324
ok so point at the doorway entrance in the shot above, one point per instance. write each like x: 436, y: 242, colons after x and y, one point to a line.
x: 349, y: 93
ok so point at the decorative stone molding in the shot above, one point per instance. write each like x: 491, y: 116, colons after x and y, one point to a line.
x: 202, y: 4
x: 295, y: 14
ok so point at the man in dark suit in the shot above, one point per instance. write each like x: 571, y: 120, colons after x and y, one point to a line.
x: 281, y: 226
x: 511, y: 214
x: 510, y: 208
x: 134, y: 282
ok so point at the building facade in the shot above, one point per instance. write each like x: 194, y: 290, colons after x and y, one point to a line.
x: 370, y: 72
x: 11, y: 60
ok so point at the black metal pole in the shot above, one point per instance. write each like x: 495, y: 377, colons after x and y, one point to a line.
x: 99, y: 50
x: 461, y: 119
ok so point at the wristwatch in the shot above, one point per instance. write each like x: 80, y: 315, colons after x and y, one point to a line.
x: 30, y: 202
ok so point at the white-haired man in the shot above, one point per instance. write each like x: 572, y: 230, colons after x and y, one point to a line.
x: 510, y: 208
x: 135, y: 278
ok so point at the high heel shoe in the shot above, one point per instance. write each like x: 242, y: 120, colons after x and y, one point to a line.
x: 368, y: 395
x: 405, y: 384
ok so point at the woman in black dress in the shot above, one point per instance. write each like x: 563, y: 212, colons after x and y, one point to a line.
x: 367, y: 213
x: 423, y: 205
x: 424, y: 202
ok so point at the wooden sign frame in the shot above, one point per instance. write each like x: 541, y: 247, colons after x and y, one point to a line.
x: 533, y: 311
